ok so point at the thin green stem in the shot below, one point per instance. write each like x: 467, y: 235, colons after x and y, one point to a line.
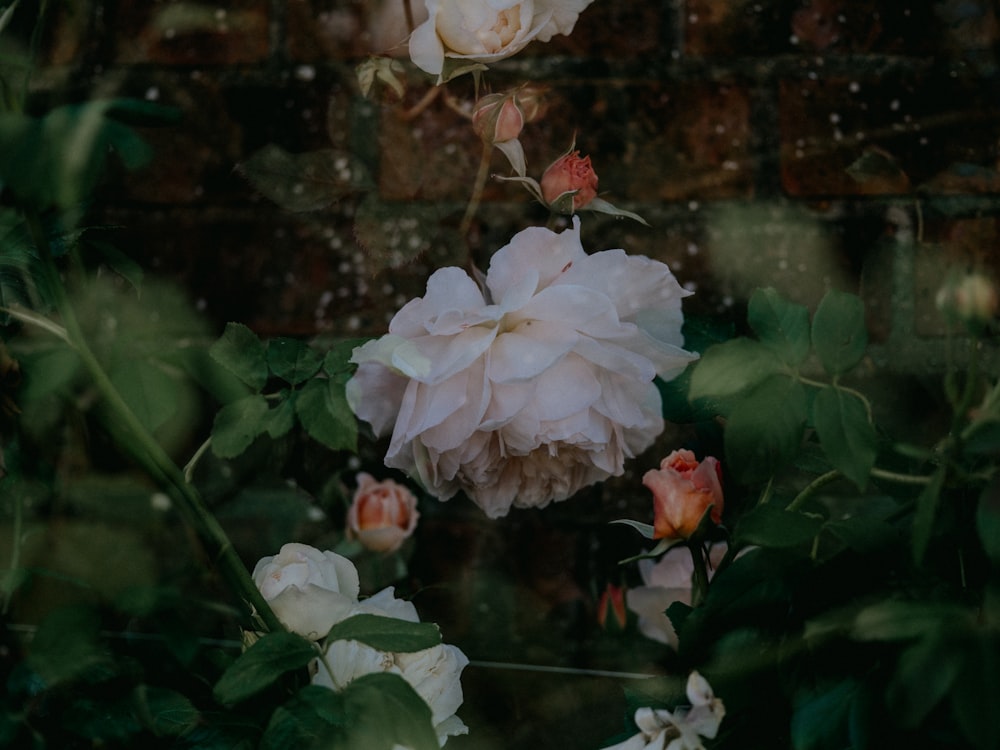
x: 810, y: 489
x: 893, y: 476
x: 15, y: 552
x: 857, y: 394
x: 147, y: 452
x: 699, y: 589
x: 477, y: 189
x: 193, y: 462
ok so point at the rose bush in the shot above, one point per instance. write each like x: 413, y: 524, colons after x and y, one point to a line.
x: 486, y: 31
x: 309, y: 590
x: 666, y: 581
x: 433, y: 673
x: 683, y: 490
x: 541, y: 383
x: 383, y: 514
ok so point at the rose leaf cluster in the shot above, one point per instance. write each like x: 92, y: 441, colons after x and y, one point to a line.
x: 540, y: 383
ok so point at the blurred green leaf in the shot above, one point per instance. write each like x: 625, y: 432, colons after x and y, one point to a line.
x: 385, y: 711
x: 164, y: 712
x: 304, y: 182
x: 312, y: 720
x: 976, y: 692
x: 262, y: 664
x: 150, y: 392
x: 846, y: 435
x: 292, y: 360
x: 821, y: 718
x: 323, y: 411
x: 988, y: 521
x: 66, y: 645
x: 119, y: 262
x: 926, y: 513
x: 58, y: 159
x: 769, y: 526
x: 779, y: 324
x: 243, y: 354
x: 386, y: 633
x: 732, y: 367
x: 839, y: 335
x: 895, y: 620
x: 238, y: 424
x: 764, y: 429
x: 924, y: 674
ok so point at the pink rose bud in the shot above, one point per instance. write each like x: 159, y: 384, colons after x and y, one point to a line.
x: 971, y: 299
x: 567, y: 174
x: 611, y: 613
x: 497, y: 118
x: 683, y: 489
x: 382, y: 514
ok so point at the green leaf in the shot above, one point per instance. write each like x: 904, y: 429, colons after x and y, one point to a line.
x: 822, y: 715
x: 894, y: 620
x: 769, y: 526
x: 732, y: 367
x: 58, y: 159
x: 164, y: 712
x: 149, y: 391
x: 372, y: 699
x: 66, y: 645
x: 645, y: 529
x: 292, y: 360
x: 119, y: 262
x: 303, y: 182
x: 988, y: 521
x: 243, y: 354
x: 324, y: 413
x: 338, y: 358
x: 976, y: 692
x: 839, y: 335
x: 313, y: 719
x: 280, y: 419
x: 386, y: 633
x: 926, y: 513
x: 238, y: 424
x: 764, y: 429
x: 779, y: 324
x: 261, y: 665
x: 847, y: 437
x: 924, y: 674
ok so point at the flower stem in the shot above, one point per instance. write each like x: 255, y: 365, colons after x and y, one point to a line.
x: 477, y: 189
x: 821, y: 481
x: 699, y: 584
x: 146, y: 451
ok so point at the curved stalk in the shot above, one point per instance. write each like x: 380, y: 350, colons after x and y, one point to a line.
x: 147, y: 452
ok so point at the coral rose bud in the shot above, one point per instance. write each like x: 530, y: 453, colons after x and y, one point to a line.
x: 683, y: 489
x: 382, y: 514
x: 611, y: 613
x: 569, y: 174
x: 971, y: 299
x: 497, y: 118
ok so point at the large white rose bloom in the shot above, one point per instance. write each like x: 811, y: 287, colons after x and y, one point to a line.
x: 487, y: 30
x: 433, y: 673
x: 522, y: 393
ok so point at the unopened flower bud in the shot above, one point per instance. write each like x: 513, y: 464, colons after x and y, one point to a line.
x: 611, y: 613
x: 497, y: 118
x: 382, y: 514
x: 531, y: 99
x: 971, y: 299
x: 573, y: 175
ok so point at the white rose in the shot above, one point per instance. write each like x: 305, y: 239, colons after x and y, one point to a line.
x: 522, y: 393
x: 309, y: 590
x: 487, y: 30
x: 433, y: 673
x: 668, y: 580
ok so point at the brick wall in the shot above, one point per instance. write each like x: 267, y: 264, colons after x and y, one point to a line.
x: 731, y: 125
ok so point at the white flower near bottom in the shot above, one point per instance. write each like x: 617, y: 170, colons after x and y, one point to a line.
x: 433, y: 673
x: 539, y: 383
x: 681, y: 729
x: 308, y: 590
x: 668, y: 580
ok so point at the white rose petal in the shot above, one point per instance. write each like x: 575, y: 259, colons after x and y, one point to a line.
x: 540, y: 384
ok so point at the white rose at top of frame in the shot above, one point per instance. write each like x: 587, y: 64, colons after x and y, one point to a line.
x: 486, y: 31
x: 309, y: 590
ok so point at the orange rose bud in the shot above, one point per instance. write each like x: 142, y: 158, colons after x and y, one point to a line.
x: 497, y: 118
x: 683, y: 489
x: 567, y: 174
x: 382, y: 514
x: 611, y: 613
